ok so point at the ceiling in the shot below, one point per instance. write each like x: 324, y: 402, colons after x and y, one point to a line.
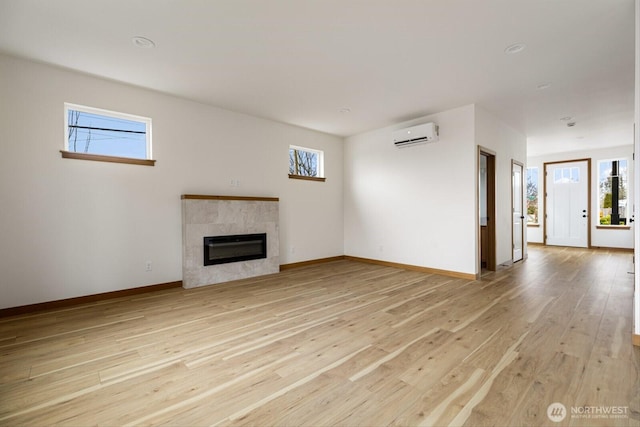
x: 305, y: 62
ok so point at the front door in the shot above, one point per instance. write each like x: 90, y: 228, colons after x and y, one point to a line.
x: 516, y: 209
x: 567, y: 203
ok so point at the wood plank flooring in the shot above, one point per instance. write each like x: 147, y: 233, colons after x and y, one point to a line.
x: 339, y: 344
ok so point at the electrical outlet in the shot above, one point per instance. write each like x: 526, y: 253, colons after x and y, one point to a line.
x: 147, y: 266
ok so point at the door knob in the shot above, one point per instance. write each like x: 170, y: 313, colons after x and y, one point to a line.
x: 631, y: 220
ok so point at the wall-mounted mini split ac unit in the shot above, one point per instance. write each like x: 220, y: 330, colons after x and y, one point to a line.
x: 421, y: 134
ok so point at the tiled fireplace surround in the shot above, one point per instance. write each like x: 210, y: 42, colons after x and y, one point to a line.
x: 204, y: 216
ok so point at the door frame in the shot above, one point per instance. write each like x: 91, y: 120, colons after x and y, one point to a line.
x: 544, y: 184
x: 522, y: 210
x: 491, y: 209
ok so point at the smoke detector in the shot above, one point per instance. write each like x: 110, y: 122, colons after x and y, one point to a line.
x: 514, y: 48
x: 143, y: 42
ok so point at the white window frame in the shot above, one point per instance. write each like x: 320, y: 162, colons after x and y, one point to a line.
x: 113, y: 114
x: 629, y: 208
x: 320, y: 166
x: 537, y: 184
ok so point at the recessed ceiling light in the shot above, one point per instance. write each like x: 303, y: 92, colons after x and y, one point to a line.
x: 345, y: 110
x: 514, y: 48
x: 543, y: 86
x: 143, y: 42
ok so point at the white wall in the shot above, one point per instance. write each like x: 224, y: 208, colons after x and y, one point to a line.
x: 610, y: 238
x: 508, y: 144
x: 636, y: 144
x: 70, y: 228
x: 418, y: 205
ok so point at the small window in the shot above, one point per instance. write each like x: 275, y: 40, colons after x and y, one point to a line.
x: 95, y: 134
x: 532, y: 195
x: 613, y: 189
x: 306, y: 163
x: 566, y: 176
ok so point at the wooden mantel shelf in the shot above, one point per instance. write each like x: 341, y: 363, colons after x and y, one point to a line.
x: 247, y: 198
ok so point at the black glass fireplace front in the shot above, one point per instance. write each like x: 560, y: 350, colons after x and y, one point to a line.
x: 239, y: 247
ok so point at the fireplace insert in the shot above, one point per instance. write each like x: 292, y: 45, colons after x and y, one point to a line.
x: 239, y: 247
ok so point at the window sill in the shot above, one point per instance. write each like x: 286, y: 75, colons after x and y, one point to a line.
x: 307, y: 178
x: 110, y: 159
x: 533, y: 224
x: 613, y: 227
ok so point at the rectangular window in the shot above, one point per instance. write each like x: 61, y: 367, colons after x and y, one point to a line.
x: 566, y: 175
x: 95, y: 134
x: 306, y: 163
x: 532, y: 195
x: 613, y: 188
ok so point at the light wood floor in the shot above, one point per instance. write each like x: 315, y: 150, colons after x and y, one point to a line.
x: 342, y: 343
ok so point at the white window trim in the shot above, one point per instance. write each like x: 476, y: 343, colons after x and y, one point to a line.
x: 116, y: 114
x: 629, y: 212
x: 534, y: 224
